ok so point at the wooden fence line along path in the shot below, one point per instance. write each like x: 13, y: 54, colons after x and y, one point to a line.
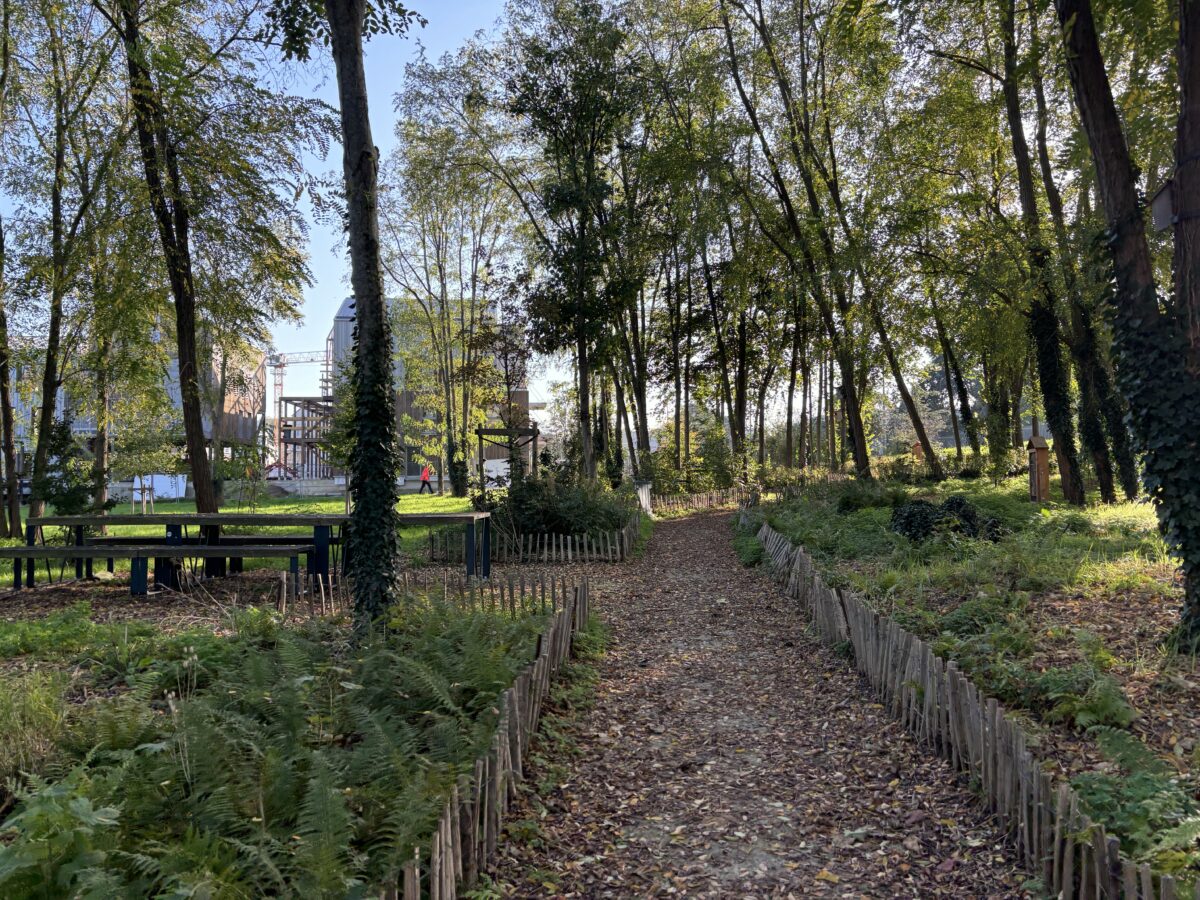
x: 515, y: 595
x: 707, y: 500
x: 541, y: 547
x: 1073, y: 855
x: 465, y: 840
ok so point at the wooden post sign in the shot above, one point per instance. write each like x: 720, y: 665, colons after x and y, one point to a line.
x: 1039, y: 468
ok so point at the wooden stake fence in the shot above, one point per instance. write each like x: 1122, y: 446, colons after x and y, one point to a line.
x: 448, y: 545
x: 671, y: 503
x: 465, y: 840
x: 1054, y: 839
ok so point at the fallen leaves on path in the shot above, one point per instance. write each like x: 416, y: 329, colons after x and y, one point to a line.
x: 729, y: 754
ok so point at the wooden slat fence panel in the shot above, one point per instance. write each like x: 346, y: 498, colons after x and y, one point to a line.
x: 737, y: 496
x: 933, y: 699
x: 448, y: 546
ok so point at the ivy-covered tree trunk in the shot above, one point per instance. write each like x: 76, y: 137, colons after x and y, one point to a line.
x: 8, y: 443
x: 374, y: 551
x: 1152, y: 351
x: 1043, y: 320
x: 1081, y: 340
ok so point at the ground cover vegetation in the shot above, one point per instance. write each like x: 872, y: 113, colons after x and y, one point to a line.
x: 1064, y: 614
x: 254, y: 758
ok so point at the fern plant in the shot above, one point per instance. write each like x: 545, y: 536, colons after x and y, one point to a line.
x: 1147, y: 804
x: 274, y: 761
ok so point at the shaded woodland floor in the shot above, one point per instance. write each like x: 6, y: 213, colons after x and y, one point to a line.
x: 729, y: 754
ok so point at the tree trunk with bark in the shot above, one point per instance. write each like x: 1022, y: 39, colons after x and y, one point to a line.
x: 1043, y: 320
x: 1154, y: 360
x: 374, y: 552
x: 8, y: 440
x: 172, y: 216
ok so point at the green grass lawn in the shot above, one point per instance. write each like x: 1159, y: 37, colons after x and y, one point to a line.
x: 412, y: 539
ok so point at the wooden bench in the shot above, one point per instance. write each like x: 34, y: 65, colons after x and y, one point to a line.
x: 228, y: 542
x: 140, y: 555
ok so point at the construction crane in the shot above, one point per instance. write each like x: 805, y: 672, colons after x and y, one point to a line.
x: 279, y: 363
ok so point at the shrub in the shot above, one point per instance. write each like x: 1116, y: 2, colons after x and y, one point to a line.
x: 919, y: 519
x: 549, y: 504
x: 856, y: 495
x: 1081, y: 696
x: 298, y: 765
x: 916, y: 520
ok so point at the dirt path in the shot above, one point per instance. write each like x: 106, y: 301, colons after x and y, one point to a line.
x: 731, y: 755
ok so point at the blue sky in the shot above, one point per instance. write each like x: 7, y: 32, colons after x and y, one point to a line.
x: 450, y: 23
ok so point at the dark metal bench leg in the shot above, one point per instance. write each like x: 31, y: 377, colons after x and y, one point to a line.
x: 235, y: 565
x: 164, y: 567
x: 79, y: 559
x: 110, y: 565
x: 17, y: 564
x: 318, y: 562
x: 214, y: 566
x: 294, y: 569
x: 30, y: 539
x: 137, y: 575
x: 487, y: 549
x: 470, y: 528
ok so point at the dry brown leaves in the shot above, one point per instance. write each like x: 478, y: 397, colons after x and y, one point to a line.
x: 731, y: 755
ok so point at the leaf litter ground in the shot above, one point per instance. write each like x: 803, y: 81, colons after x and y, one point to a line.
x: 729, y: 754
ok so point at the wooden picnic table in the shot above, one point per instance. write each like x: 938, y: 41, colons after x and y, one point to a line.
x: 322, y: 525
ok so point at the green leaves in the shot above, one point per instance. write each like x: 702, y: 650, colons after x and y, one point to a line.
x: 298, y: 25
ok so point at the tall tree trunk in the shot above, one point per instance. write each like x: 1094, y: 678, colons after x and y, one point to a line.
x: 805, y: 396
x: 960, y: 386
x: 8, y: 439
x: 1153, y: 359
x: 374, y: 554
x: 1187, y: 180
x: 737, y: 418
x: 172, y: 215
x: 100, y: 455
x: 584, y: 382
x: 819, y: 422
x: 950, y: 400
x: 914, y: 415
x: 789, y: 459
x: 1016, y: 390
x: 1082, y: 343
x: 58, y: 287
x: 635, y: 458
x: 761, y: 417
x: 1043, y: 320
x: 10, y: 525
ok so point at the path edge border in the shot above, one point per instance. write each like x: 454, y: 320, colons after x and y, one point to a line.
x: 947, y: 712
x: 466, y: 837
